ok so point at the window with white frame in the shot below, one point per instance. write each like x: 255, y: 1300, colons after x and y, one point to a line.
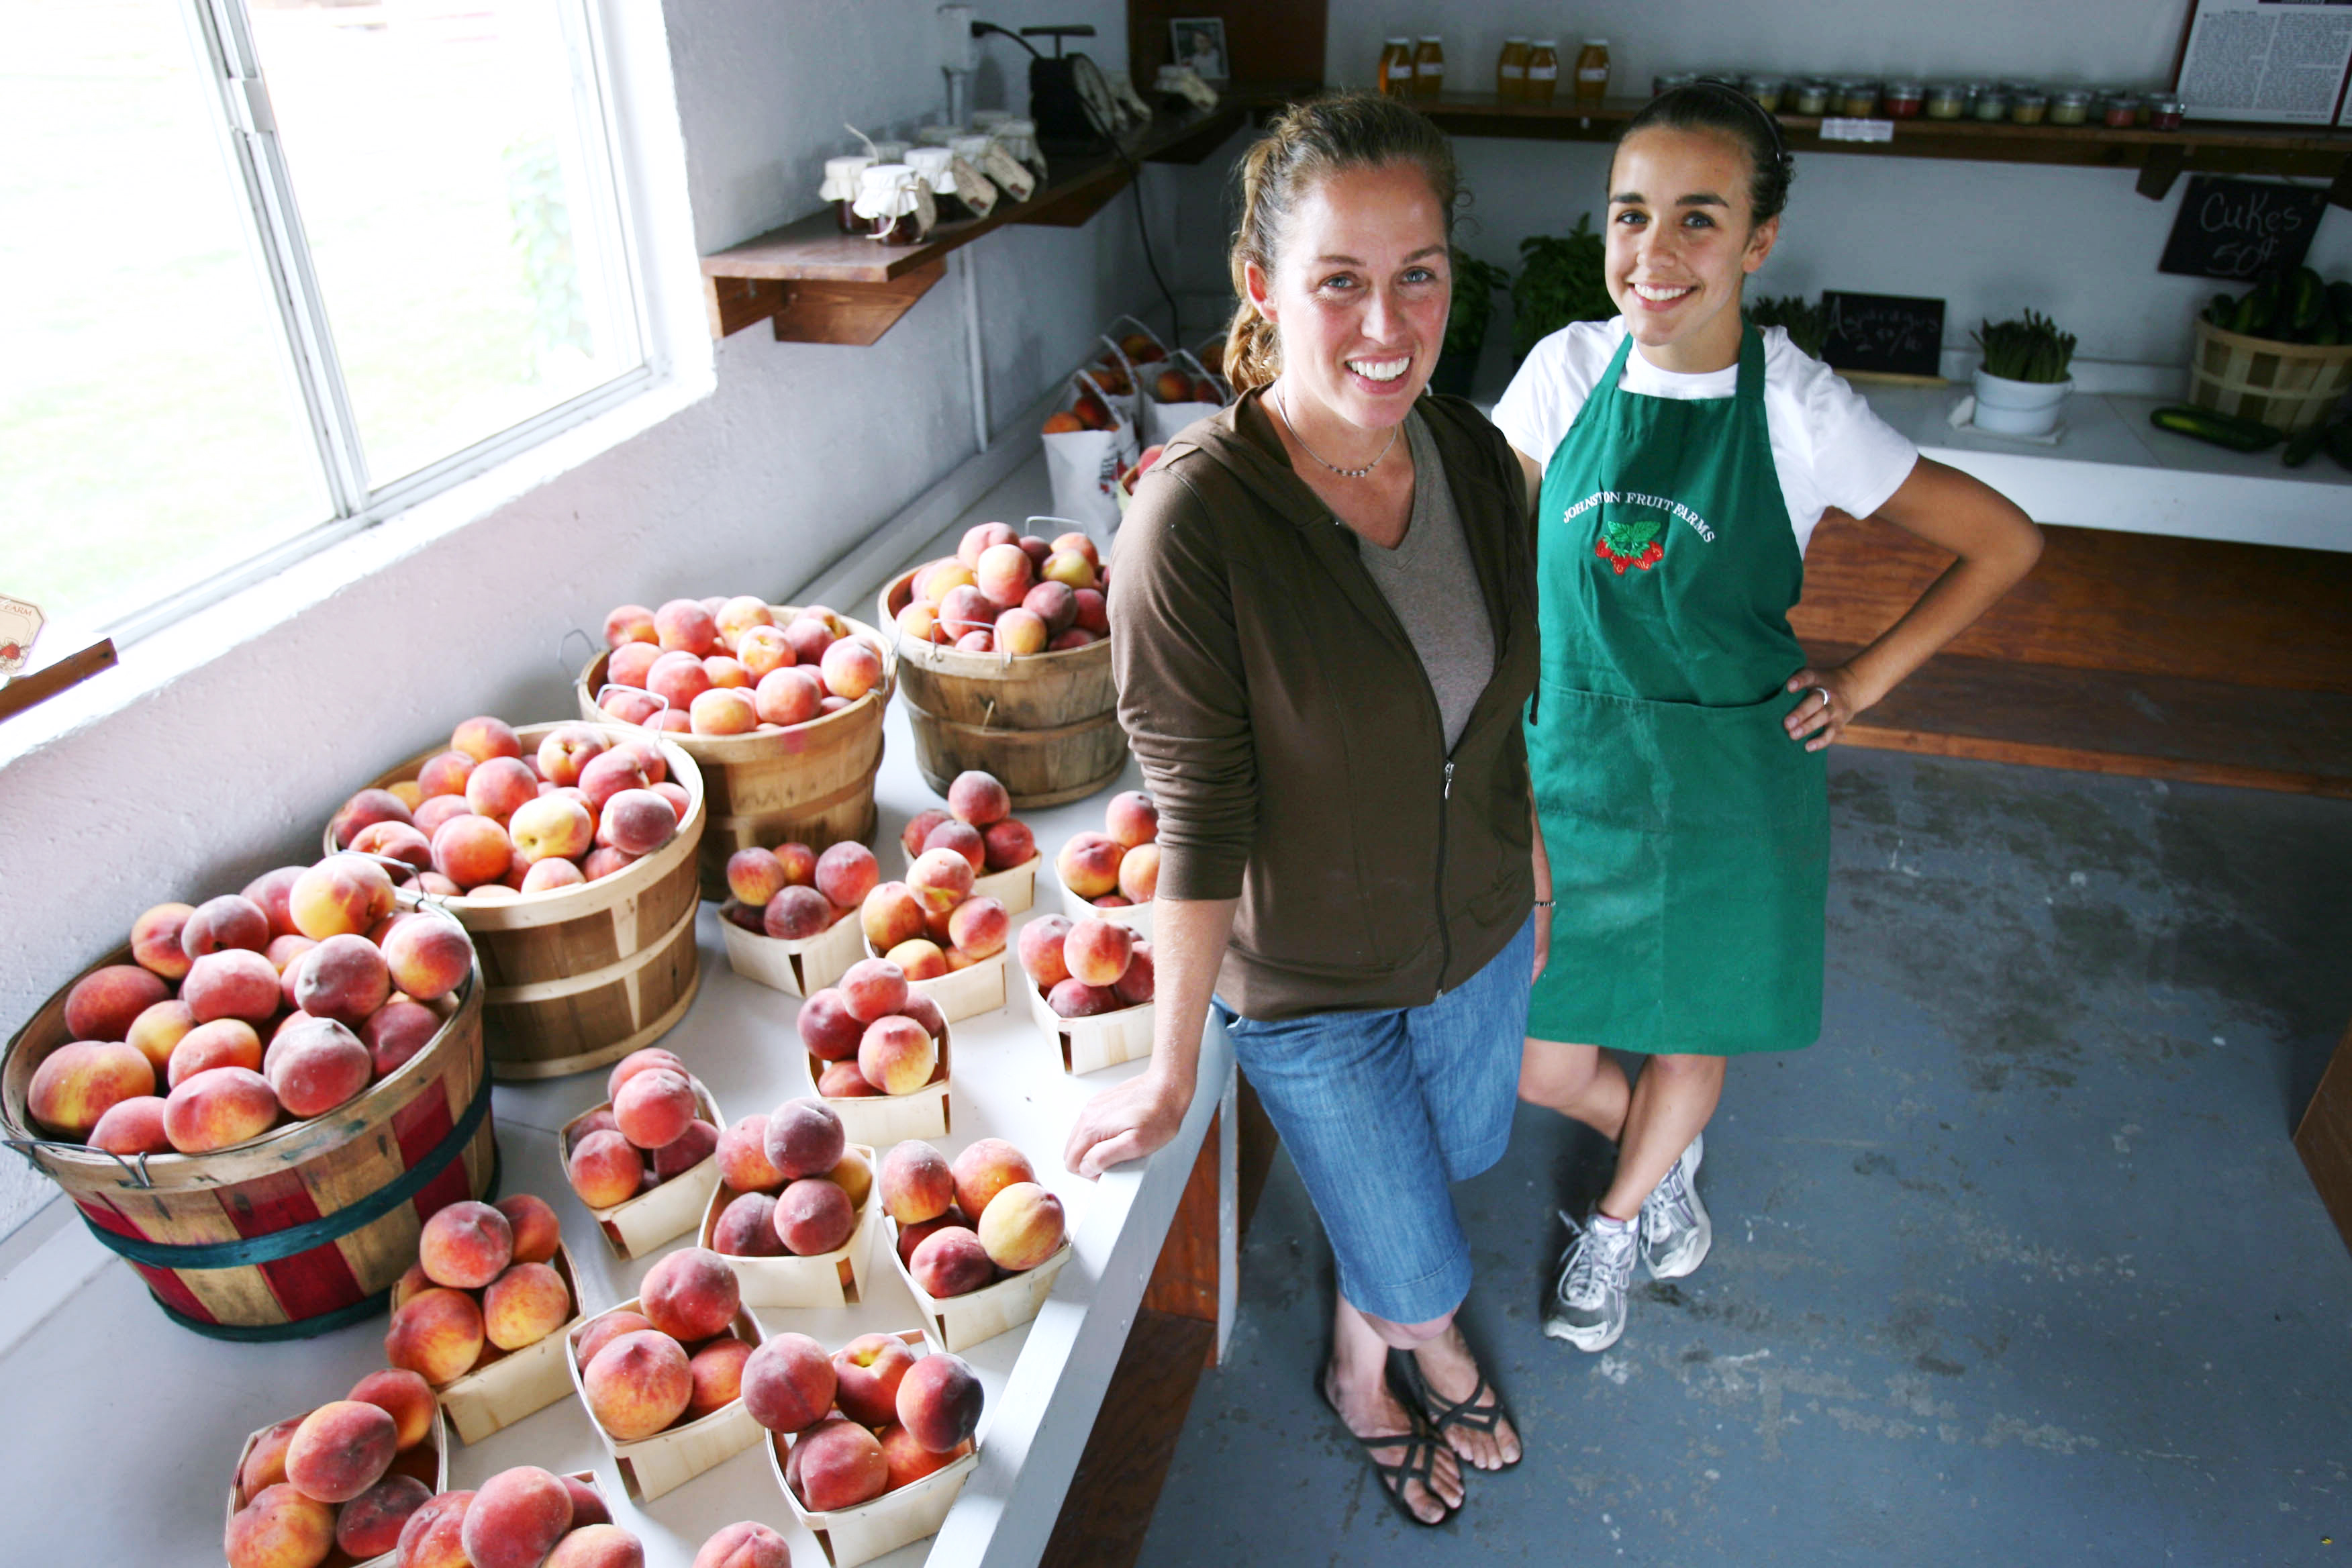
x: 275, y: 268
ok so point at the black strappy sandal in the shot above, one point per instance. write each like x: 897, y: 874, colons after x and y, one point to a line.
x: 1418, y: 1463
x: 1441, y: 1412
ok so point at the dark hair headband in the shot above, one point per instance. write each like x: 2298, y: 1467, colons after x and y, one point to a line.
x: 1771, y: 121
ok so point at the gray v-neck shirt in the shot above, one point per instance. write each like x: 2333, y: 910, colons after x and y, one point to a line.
x: 1431, y: 583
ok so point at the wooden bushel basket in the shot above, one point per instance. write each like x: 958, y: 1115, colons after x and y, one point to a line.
x: 1046, y: 724
x: 581, y: 976
x: 2290, y: 385
x: 303, y: 1229
x: 812, y: 783
x: 850, y: 1536
x: 427, y: 1462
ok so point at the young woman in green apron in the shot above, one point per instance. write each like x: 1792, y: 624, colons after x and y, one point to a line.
x: 1681, y: 459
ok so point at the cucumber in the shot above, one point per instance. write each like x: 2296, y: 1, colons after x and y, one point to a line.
x: 2217, y: 429
x: 2299, y: 450
x: 2307, y: 296
x: 2220, y: 310
x: 2257, y: 312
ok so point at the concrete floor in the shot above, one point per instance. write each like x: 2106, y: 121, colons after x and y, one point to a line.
x: 2017, y: 1265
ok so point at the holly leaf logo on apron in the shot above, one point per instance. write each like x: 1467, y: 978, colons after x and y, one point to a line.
x: 1633, y: 538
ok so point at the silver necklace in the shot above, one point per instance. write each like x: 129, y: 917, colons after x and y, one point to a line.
x: 1364, y: 472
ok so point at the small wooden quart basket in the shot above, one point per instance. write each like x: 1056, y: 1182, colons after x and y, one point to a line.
x: 1136, y: 918
x: 427, y: 1462
x: 507, y: 1385
x: 960, y: 993
x: 836, y: 1279
x: 1089, y: 1045
x: 848, y: 1536
x: 797, y: 967
x: 667, y: 1461
x: 959, y: 1322
x: 1015, y: 888
x: 636, y: 1226
x: 882, y: 1120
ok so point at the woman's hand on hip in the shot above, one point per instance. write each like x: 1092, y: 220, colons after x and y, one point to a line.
x: 1835, y: 697
x: 1126, y: 1122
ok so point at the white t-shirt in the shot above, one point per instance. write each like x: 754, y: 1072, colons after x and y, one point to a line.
x: 1829, y: 448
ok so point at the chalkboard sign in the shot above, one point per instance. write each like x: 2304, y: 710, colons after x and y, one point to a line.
x: 1888, y: 334
x: 2242, y: 229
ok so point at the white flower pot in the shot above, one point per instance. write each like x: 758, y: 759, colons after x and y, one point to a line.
x: 2008, y: 408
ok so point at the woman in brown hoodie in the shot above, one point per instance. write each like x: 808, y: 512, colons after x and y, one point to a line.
x: 1324, y: 633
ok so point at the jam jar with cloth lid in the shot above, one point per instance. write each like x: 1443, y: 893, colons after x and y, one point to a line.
x: 1019, y: 137
x: 842, y: 176
x: 895, y: 204
x: 998, y: 167
x: 937, y: 166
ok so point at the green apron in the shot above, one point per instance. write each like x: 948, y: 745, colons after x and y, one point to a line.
x: 1688, y: 834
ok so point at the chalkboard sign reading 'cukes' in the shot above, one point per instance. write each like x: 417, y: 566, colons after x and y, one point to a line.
x: 1884, y: 334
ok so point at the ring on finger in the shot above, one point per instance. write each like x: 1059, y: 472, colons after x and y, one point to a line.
x: 1825, y: 700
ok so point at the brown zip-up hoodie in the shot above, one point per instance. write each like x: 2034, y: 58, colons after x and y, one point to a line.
x: 1288, y: 732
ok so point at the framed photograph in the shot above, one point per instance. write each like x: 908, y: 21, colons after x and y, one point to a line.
x: 1199, y: 43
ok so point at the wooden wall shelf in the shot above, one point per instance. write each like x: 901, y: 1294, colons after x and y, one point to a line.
x: 2159, y: 156
x: 820, y: 286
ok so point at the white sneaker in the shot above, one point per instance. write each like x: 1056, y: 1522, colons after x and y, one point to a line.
x: 1588, y: 1305
x: 1676, y: 1231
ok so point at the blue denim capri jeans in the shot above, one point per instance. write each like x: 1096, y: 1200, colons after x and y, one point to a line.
x: 1383, y: 1111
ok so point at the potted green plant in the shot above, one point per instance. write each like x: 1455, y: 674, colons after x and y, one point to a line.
x: 1475, y: 282
x: 2023, y: 378
x: 1807, y: 322
x: 1560, y: 280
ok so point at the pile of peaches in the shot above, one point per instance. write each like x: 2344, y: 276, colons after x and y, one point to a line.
x: 978, y: 824
x: 966, y: 1224
x: 675, y: 1358
x: 796, y: 893
x: 487, y: 820
x: 799, y: 1185
x: 483, y: 1285
x: 525, y: 1515
x: 349, y: 1475
x: 650, y: 1131
x: 1086, y: 968
x: 724, y: 667
x: 874, y: 1034
x: 1119, y: 866
x: 1003, y: 593
x: 284, y: 1001
x: 864, y: 1420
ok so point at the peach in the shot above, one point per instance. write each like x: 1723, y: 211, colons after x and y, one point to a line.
x: 626, y: 705
x: 745, y: 1544
x: 1070, y: 569
x: 723, y: 710
x: 486, y: 739
x: 799, y: 862
x: 828, y: 1028
x: 364, y: 810
x: 435, y: 1534
x: 851, y: 667
x: 916, y: 836
x: 813, y: 1215
x: 628, y: 624
x: 1097, y: 950
x: 629, y: 666
x: 158, y: 1029
x: 445, y: 774
x: 644, y: 1060
x: 1088, y: 864
x: 604, y: 862
x: 1094, y: 612
x: 1131, y: 818
x: 405, y: 1397
x: 607, y: 775
x: 316, y: 1069
x: 727, y: 674
x: 911, y: 1236
x: 638, y: 1384
x: 918, y: 621
x: 1018, y: 632
x: 873, y: 988
x: 950, y: 1262
x: 1076, y: 999
x: 788, y: 1383
x: 1023, y: 1227
x: 517, y: 1518
x: 438, y: 810
x: 940, y: 1402
x: 941, y: 878
x: 979, y: 927
x: 283, y: 950
x: 342, y: 1448
x: 804, y: 1139
x: 959, y: 838
x: 984, y: 1168
x: 919, y: 958
x: 565, y: 750
x: 836, y: 1464
x: 1003, y: 574
x: 898, y: 1055
x: 743, y: 1163
x: 677, y: 680
x: 156, y: 940
x: 346, y: 894
x: 1083, y: 543
x: 1139, y: 873
x: 605, y: 1169
x: 79, y: 1082
x: 428, y: 957
x: 935, y: 926
x: 270, y: 892
x: 854, y: 1176
x: 605, y: 1330
x: 891, y: 914
x: 344, y: 978
x: 223, y: 1043
x: 686, y: 623
x: 764, y: 650
x: 685, y: 1152
x: 796, y: 914
x: 867, y: 1372
x: 755, y: 876
x: 648, y: 758
x: 1035, y: 548
x: 690, y: 1295
x: 1041, y: 946
x: 231, y: 921
x: 926, y: 1011
x: 653, y: 1107
x: 792, y: 695
x: 587, y: 1503
x: 1007, y: 844
x: 597, y: 1546
x: 1135, y: 987
x: 550, y: 876
x: 977, y: 540
x: 499, y: 787
x: 1070, y: 639
x: 396, y: 1033
x: 217, y: 1108
x: 524, y: 1305
x: 597, y: 1121
x: 265, y: 1462
x: 963, y: 612
x: 978, y: 799
x: 915, y: 1181
x: 402, y: 841
x: 553, y: 826
x: 746, y: 1228
x: 131, y: 1127
x: 280, y: 1528
x: 405, y: 791
x: 466, y: 1245
x: 1053, y: 603
x: 637, y: 822
x: 497, y: 892
x: 230, y: 983
x: 908, y: 1459
x: 842, y: 1080
x: 370, y: 1524
x: 411, y: 1284
x: 679, y: 801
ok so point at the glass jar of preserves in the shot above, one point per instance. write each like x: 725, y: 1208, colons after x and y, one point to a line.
x: 935, y: 166
x: 1511, y: 71
x: 841, y: 184
x: 1543, y: 71
x: 2070, y: 106
x: 1990, y: 104
x: 1768, y: 91
x: 889, y: 151
x: 2165, y: 113
x: 1812, y: 98
x: 980, y: 192
x: 1904, y: 99
x: 1667, y: 81
x: 893, y: 205
x: 1429, y: 66
x: 1019, y: 137
x: 1592, y: 72
x: 1857, y: 98
x: 2122, y: 111
x: 1945, y: 101
x: 936, y: 135
x: 1396, y: 69
x: 2029, y: 109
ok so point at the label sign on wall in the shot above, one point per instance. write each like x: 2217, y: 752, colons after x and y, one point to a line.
x: 2242, y: 229
x: 1887, y: 334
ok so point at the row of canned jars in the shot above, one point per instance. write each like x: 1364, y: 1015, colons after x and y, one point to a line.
x: 900, y: 191
x: 2014, y: 102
